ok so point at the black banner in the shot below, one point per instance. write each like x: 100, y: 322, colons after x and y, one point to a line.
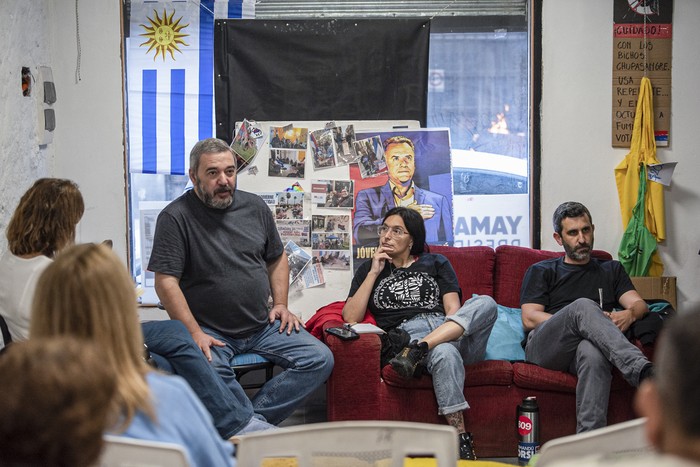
x: 320, y: 70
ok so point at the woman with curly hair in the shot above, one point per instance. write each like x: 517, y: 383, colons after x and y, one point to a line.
x: 42, y: 225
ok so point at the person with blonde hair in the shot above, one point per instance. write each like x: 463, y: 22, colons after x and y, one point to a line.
x: 56, y: 403
x: 87, y: 293
x: 42, y: 225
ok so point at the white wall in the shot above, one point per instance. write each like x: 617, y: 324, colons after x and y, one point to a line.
x: 577, y: 157
x: 89, y: 140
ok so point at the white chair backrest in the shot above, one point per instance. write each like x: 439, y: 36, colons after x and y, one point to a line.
x: 127, y: 452
x: 352, y: 443
x: 625, y: 437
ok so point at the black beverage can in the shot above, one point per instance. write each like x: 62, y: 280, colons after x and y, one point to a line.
x: 527, y: 421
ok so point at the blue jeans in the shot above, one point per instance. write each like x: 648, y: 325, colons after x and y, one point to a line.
x: 306, y: 362
x: 446, y: 361
x: 581, y: 340
x: 170, y: 340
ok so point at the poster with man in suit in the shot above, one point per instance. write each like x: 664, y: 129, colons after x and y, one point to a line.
x: 418, y: 176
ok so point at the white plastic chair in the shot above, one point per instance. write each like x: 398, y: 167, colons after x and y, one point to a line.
x: 127, y: 452
x: 625, y: 437
x: 350, y: 444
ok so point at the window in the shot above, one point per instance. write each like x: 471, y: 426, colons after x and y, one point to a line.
x: 480, y: 87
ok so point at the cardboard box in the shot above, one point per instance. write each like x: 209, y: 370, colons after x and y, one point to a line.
x: 657, y: 288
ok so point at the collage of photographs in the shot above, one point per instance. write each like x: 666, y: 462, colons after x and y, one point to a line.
x: 385, y: 169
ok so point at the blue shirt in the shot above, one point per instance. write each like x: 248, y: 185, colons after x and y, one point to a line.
x: 181, y: 419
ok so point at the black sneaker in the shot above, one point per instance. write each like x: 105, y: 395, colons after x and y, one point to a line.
x: 406, y: 361
x: 466, y: 447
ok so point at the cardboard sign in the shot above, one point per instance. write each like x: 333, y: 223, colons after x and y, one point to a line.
x: 642, y: 36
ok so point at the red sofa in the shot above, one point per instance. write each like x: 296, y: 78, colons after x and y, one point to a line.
x: 359, y: 389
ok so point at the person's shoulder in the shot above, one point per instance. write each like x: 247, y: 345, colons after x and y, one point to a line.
x: 12, y: 262
x: 180, y: 203
x: 248, y: 199
x: 433, y: 258
x: 364, y: 268
x: 549, y: 264
x: 604, y: 263
x: 609, y: 265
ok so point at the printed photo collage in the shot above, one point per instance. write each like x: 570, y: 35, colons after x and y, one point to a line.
x: 333, y: 146
x: 330, y: 237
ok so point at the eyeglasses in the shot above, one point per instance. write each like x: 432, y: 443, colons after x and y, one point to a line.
x: 396, y: 231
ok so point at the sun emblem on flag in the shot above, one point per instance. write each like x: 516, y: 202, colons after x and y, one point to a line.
x: 164, y: 35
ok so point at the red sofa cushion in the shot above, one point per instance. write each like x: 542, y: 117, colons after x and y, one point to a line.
x: 529, y: 376
x: 486, y: 373
x: 474, y: 266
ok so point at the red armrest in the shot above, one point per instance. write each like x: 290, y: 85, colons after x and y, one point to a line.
x: 354, y: 385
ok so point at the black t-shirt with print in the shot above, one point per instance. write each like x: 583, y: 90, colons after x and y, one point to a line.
x: 400, y: 294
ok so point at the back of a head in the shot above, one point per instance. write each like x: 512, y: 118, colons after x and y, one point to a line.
x: 45, y: 219
x: 87, y: 293
x: 56, y: 403
x: 677, y: 372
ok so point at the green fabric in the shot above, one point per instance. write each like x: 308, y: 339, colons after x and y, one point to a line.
x: 638, y: 244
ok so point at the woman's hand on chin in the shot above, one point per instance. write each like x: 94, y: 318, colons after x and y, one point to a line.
x: 380, y: 257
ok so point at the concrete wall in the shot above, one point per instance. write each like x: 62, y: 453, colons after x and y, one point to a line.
x: 25, y: 39
x: 577, y: 158
x: 88, y: 141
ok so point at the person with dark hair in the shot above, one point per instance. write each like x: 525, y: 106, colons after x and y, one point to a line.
x: 218, y: 259
x: 567, y: 307
x: 408, y: 288
x: 669, y: 402
x: 57, y: 401
x: 373, y: 203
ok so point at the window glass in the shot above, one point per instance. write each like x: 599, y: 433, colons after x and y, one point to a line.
x: 478, y: 88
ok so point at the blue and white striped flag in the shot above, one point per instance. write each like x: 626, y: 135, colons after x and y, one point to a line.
x: 170, y: 79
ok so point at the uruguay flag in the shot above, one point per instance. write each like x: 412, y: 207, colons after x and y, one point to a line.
x: 170, y: 79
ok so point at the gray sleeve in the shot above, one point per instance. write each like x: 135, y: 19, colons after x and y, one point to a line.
x: 169, y: 247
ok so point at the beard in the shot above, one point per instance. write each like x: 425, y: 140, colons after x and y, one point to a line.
x: 577, y: 254
x: 209, y: 198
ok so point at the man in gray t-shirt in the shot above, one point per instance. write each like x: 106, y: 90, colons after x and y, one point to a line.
x: 218, y: 258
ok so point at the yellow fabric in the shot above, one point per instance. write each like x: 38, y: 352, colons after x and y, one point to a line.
x: 642, y: 151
